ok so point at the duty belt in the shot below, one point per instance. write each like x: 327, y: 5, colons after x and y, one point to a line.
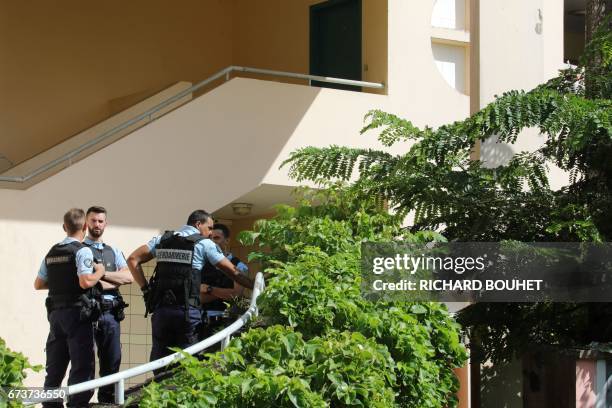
x: 62, y: 302
x: 107, y: 305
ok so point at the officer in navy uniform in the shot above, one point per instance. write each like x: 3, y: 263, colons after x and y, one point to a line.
x: 217, y: 288
x: 107, y: 333
x: 70, y: 273
x: 173, y: 295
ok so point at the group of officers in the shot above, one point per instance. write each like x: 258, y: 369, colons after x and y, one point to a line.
x: 194, y: 276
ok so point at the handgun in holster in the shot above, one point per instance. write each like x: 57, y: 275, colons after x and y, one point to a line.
x: 150, y: 296
x: 118, y: 311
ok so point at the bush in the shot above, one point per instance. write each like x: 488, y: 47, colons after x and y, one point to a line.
x: 13, y: 366
x: 327, y: 345
x: 276, y: 367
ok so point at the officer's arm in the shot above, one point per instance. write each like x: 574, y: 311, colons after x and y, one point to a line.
x: 107, y: 285
x: 40, y: 284
x: 138, y: 257
x: 89, y: 280
x: 220, y: 293
x: 234, y: 273
x: 120, y: 277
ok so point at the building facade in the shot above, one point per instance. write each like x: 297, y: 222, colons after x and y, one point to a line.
x: 74, y: 71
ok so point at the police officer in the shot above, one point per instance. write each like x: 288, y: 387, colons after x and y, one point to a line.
x: 173, y: 295
x: 107, y: 333
x: 216, y: 286
x: 70, y: 273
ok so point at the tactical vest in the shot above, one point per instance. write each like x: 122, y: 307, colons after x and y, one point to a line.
x: 107, y: 255
x: 176, y: 281
x: 61, y: 266
x: 214, y: 277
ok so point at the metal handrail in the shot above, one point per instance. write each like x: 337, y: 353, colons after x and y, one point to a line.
x: 148, y: 113
x: 223, y: 337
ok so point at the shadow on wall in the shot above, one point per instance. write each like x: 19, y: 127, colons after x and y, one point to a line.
x: 585, y: 378
x: 203, y: 155
x: 494, y: 154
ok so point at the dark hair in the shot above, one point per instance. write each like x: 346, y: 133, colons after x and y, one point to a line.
x: 74, y: 220
x: 96, y: 209
x: 223, y: 228
x: 198, y: 216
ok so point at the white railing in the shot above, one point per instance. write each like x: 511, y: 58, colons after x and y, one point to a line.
x: 222, y: 337
x: 68, y: 157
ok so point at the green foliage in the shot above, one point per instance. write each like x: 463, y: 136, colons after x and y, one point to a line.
x: 13, y: 366
x: 276, y: 367
x: 447, y: 191
x: 333, y: 220
x: 327, y: 345
x: 597, y: 60
x: 316, y: 290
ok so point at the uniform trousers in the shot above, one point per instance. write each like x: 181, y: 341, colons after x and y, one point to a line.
x: 69, y: 341
x: 170, y: 329
x: 108, y: 342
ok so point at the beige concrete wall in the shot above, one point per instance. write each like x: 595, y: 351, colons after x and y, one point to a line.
x: 108, y: 127
x: 66, y: 65
x: 521, y: 46
x: 417, y: 90
x: 100, y: 58
x: 275, y: 34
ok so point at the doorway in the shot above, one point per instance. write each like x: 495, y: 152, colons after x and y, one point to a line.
x: 335, y: 42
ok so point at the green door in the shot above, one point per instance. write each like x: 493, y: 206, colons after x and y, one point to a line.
x: 335, y: 41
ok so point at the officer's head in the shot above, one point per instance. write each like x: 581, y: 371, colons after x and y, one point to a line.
x: 201, y: 220
x: 96, y: 221
x: 74, y: 223
x: 220, y: 235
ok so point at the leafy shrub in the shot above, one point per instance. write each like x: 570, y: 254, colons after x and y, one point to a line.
x: 13, y: 366
x: 276, y: 367
x: 328, y: 346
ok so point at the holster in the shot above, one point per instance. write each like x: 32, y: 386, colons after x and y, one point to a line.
x: 90, y: 309
x: 118, y: 311
x: 151, y: 297
x: 115, y: 307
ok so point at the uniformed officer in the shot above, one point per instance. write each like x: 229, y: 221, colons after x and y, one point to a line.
x: 216, y: 286
x: 70, y: 274
x: 107, y: 333
x: 174, y: 292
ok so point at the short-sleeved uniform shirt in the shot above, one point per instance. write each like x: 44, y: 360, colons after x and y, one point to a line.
x: 120, y: 262
x: 241, y: 266
x: 204, y: 251
x: 84, y: 261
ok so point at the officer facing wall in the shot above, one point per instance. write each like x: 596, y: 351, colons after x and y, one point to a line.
x: 173, y: 295
x: 71, y: 275
x: 107, y: 332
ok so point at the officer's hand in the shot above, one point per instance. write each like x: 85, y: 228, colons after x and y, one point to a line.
x: 145, y: 291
